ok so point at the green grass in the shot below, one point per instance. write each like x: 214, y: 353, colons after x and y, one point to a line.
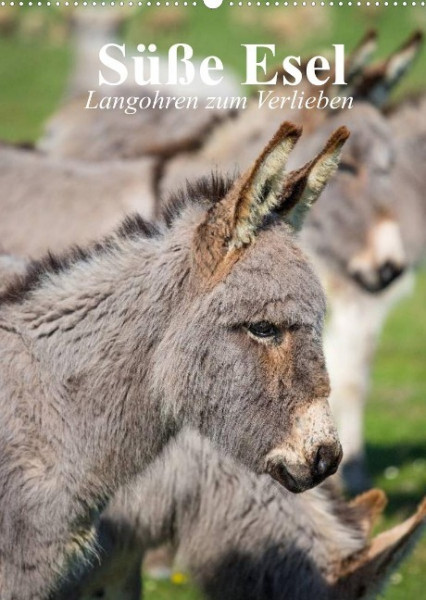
x: 164, y: 590
x: 32, y: 76
x: 33, y: 73
x: 396, y: 427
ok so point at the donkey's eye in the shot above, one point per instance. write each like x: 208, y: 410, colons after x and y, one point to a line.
x: 263, y: 329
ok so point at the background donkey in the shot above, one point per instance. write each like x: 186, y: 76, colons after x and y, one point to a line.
x: 241, y: 536
x: 50, y: 204
x: 103, y: 360
x: 408, y: 123
x: 392, y: 246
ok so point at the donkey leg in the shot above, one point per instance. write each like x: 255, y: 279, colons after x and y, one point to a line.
x: 350, y: 342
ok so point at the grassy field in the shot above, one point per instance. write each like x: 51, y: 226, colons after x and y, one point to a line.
x: 33, y: 72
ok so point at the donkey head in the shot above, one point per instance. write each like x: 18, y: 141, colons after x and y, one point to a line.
x: 247, y: 349
x: 355, y: 228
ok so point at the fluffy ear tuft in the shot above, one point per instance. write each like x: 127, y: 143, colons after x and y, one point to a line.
x: 261, y: 190
x: 266, y: 189
x: 305, y: 185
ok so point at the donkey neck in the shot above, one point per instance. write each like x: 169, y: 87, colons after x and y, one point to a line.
x: 92, y: 331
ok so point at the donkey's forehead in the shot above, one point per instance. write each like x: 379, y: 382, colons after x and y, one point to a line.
x: 371, y: 140
x: 273, y: 280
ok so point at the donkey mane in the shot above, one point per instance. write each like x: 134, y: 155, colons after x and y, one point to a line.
x: 205, y: 191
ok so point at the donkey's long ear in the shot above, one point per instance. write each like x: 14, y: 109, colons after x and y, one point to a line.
x: 376, y: 84
x: 369, y: 506
x: 261, y: 188
x: 304, y: 186
x: 361, y: 55
x: 365, y: 575
x: 235, y: 221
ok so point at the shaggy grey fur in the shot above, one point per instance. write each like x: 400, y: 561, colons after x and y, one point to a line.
x: 50, y: 204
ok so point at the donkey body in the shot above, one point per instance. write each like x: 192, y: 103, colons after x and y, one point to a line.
x: 107, y: 353
x: 67, y: 202
x: 75, y: 132
x: 241, y: 536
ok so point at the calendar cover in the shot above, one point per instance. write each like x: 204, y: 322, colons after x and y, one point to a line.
x: 212, y: 300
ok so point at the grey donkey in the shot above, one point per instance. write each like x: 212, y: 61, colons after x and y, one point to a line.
x: 354, y: 235
x: 241, y: 536
x: 211, y: 319
x: 393, y: 244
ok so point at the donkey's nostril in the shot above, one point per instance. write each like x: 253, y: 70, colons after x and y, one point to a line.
x: 327, y: 460
x: 377, y: 279
x: 321, y: 466
x: 388, y: 272
x: 279, y: 472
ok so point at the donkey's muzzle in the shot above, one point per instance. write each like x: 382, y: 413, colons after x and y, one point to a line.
x: 388, y: 272
x: 302, y: 477
x: 378, y: 279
